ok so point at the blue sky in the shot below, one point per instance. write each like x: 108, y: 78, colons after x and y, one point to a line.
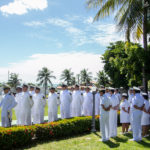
x: 46, y: 27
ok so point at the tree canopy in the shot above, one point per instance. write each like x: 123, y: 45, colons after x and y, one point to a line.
x: 124, y: 62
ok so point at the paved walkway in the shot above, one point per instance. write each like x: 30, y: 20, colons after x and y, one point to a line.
x: 14, y: 122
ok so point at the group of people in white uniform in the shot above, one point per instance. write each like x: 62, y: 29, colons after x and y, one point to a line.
x: 134, y: 110
x: 29, y: 107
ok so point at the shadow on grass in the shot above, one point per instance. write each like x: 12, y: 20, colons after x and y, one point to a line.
x: 129, y: 135
x: 121, y: 140
x: 145, y: 144
x: 36, y: 142
x: 111, y: 144
x: 97, y: 134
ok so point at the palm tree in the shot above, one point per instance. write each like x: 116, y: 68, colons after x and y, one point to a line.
x: 78, y: 78
x: 131, y: 17
x: 14, y: 80
x: 66, y: 76
x: 129, y: 14
x: 102, y: 79
x: 73, y: 81
x: 86, y: 76
x: 44, y: 78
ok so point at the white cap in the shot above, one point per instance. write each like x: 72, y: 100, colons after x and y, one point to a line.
x: 144, y: 94
x: 136, y: 88
x: 111, y: 88
x: 124, y: 94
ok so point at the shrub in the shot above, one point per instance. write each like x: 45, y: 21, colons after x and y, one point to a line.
x: 15, y: 137
x: 22, y: 136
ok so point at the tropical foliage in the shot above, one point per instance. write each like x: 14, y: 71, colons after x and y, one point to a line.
x: 44, y: 78
x: 102, y: 79
x: 67, y: 76
x: 85, y: 76
x: 128, y: 14
x: 14, y: 80
x: 124, y: 62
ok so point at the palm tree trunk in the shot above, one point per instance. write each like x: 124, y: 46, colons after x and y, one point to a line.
x: 45, y: 87
x: 145, y: 84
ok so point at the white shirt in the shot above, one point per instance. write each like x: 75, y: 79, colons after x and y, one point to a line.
x: 114, y: 100
x: 106, y: 102
x: 137, y: 100
x: 124, y: 104
x: 8, y: 102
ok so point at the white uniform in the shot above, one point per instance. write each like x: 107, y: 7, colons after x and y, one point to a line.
x: 87, y: 104
x: 53, y: 103
x: 25, y: 108
x: 138, y: 100
x: 113, y: 116
x: 77, y: 101
x: 118, y: 95
x: 131, y: 96
x: 36, y: 109
x: 42, y: 109
x: 97, y: 103
x: 65, y: 102
x: 7, y: 103
x: 104, y: 117
x: 17, y: 108
x: 82, y: 93
x: 107, y: 94
x: 146, y: 116
x: 32, y: 93
x: 124, y: 116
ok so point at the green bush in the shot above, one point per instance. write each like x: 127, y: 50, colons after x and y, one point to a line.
x: 15, y: 137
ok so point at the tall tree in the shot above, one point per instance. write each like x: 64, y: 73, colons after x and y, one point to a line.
x: 86, y: 76
x: 14, y: 80
x: 131, y: 17
x: 73, y: 81
x: 44, y: 78
x: 102, y: 79
x: 124, y: 63
x: 67, y: 76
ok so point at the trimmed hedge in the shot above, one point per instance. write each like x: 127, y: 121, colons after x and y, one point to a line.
x: 16, y: 137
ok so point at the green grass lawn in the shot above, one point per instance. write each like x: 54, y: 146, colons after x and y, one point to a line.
x: 14, y: 116
x: 91, y: 142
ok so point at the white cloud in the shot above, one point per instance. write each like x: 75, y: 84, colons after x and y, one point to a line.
x: 34, y: 23
x: 58, y: 22
x: 106, y: 33
x: 20, y: 7
x: 88, y: 32
x: 56, y: 62
x: 88, y: 20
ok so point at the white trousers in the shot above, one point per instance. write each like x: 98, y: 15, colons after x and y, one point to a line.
x: 113, y: 123
x: 76, y: 111
x: 65, y: 113
x: 136, y: 124
x: 5, y: 120
x: 52, y: 116
x: 25, y: 118
x: 104, y: 126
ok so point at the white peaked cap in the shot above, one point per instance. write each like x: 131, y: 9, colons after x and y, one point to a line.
x: 136, y: 88
x: 144, y: 94
x: 124, y: 94
x: 111, y: 88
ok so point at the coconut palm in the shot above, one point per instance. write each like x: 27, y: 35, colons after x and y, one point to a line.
x: 67, y: 76
x: 86, y: 76
x: 44, y: 78
x: 102, y: 79
x: 131, y: 17
x: 128, y: 14
x: 14, y: 80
